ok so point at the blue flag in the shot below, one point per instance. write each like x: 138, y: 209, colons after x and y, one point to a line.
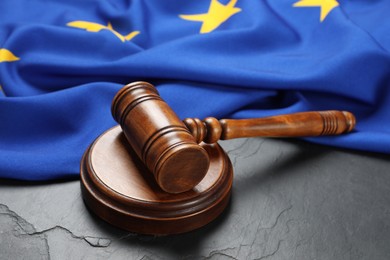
x: 61, y: 63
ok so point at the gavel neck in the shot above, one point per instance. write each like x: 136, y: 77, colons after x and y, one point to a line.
x: 208, y: 131
x: 303, y: 124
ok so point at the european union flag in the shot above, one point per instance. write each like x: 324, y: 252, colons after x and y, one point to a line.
x: 61, y: 63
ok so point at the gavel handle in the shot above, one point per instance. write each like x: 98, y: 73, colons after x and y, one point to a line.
x: 302, y: 124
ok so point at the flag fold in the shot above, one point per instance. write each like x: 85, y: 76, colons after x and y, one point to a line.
x: 61, y: 63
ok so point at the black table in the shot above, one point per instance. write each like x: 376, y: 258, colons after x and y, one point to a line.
x: 291, y: 200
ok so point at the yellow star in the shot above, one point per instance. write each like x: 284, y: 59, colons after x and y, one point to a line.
x: 120, y: 36
x: 325, y: 5
x: 96, y: 27
x: 217, y: 14
x: 7, y: 56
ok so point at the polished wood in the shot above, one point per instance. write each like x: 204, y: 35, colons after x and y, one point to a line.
x: 155, y: 174
x: 303, y: 124
x: 118, y: 187
x: 169, y: 147
x: 159, y: 138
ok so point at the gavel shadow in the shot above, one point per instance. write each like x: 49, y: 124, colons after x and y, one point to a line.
x: 259, y: 161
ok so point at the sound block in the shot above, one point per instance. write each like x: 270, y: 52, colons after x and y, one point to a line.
x: 118, y: 188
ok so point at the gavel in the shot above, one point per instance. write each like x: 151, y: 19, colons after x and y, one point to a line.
x: 155, y: 174
x: 170, y: 148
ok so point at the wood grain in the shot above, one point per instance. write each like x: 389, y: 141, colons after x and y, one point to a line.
x: 118, y: 187
x: 303, y: 124
x: 159, y: 138
x: 169, y: 147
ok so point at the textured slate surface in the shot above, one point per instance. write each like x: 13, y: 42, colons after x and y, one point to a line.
x: 291, y: 200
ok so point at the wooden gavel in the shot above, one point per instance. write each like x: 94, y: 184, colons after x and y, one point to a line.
x: 170, y: 147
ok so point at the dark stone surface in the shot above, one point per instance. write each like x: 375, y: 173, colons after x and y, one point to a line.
x: 291, y: 200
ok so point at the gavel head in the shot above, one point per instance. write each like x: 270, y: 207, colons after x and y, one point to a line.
x: 159, y: 138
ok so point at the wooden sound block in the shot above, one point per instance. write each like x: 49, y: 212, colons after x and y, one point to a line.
x: 117, y: 186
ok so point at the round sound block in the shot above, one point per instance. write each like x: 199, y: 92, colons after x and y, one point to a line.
x: 119, y: 189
